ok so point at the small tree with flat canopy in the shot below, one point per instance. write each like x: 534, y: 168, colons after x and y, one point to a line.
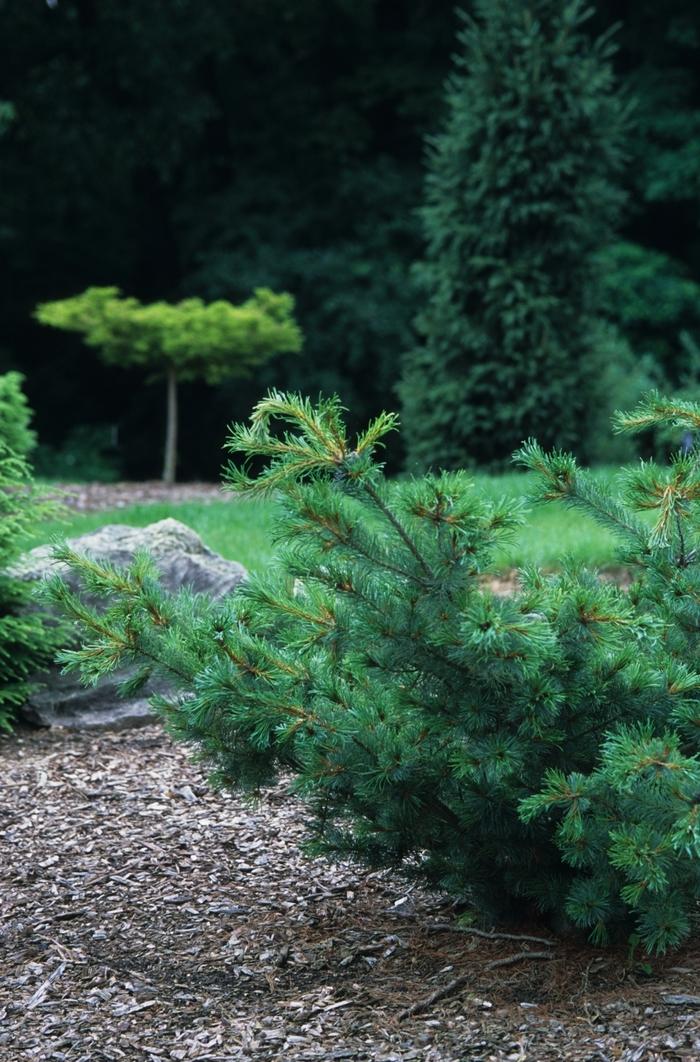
x: 180, y: 341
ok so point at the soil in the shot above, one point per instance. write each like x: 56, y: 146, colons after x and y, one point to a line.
x: 146, y: 916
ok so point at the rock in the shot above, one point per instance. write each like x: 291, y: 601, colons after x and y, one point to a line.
x: 62, y: 701
x: 180, y: 555
x: 182, y: 560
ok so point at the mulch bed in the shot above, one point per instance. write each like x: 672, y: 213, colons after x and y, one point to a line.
x: 95, y: 497
x: 145, y: 916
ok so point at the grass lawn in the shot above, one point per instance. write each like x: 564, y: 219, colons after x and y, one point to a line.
x: 550, y: 531
x: 242, y: 530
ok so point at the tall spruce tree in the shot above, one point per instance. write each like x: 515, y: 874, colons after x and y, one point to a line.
x: 520, y: 196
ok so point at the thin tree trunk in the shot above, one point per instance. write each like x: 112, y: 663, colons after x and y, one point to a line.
x: 170, y: 458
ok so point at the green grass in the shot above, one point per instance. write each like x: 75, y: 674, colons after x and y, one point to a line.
x: 550, y: 531
x: 242, y: 530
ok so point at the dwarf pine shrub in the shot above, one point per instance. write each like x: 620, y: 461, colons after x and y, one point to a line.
x: 535, y: 753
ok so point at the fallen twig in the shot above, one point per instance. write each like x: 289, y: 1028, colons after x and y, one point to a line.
x: 439, y: 993
x: 518, y: 957
x: 458, y: 982
x: 449, y: 927
x: 305, y: 1016
x: 61, y: 916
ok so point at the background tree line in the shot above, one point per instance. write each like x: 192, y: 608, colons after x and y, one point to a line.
x: 180, y: 149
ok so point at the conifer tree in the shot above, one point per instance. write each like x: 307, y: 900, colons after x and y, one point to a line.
x: 531, y: 753
x: 188, y: 340
x: 520, y: 197
x: 15, y: 416
x: 28, y: 638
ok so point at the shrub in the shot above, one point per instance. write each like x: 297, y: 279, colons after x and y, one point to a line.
x: 15, y: 416
x: 28, y: 639
x: 533, y: 753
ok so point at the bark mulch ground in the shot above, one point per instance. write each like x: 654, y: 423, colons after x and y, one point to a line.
x: 96, y: 497
x: 144, y: 916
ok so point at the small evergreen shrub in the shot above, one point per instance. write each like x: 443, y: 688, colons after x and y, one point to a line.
x: 15, y: 416
x: 28, y: 638
x: 534, y: 753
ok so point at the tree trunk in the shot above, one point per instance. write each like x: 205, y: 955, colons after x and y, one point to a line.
x: 170, y: 458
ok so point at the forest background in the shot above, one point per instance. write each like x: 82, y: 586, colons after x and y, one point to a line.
x: 178, y: 149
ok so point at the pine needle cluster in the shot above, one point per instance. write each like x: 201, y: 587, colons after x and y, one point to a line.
x: 535, y: 753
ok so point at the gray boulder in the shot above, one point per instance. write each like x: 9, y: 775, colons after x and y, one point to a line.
x: 182, y: 560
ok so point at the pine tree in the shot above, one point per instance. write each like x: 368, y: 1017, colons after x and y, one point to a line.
x: 529, y: 753
x: 177, y: 342
x: 641, y: 801
x: 520, y: 197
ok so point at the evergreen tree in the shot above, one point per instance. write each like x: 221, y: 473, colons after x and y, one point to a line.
x: 534, y: 752
x: 188, y: 340
x: 520, y: 198
x: 15, y: 416
x: 28, y: 638
x: 642, y: 794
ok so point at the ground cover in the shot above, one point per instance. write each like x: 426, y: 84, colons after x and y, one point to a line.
x: 146, y: 916
x: 242, y: 531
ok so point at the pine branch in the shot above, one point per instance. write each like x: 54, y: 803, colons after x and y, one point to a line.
x: 398, y: 527
x: 653, y: 411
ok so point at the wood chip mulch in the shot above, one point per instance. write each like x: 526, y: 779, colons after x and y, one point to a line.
x: 145, y: 916
x: 97, y: 497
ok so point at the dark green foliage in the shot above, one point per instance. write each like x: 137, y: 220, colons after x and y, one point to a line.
x: 15, y: 416
x: 520, y: 197
x: 652, y: 278
x: 280, y: 145
x: 653, y: 300
x: 529, y: 753
x: 28, y: 640
x: 209, y: 149
x: 87, y: 454
x: 26, y: 644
